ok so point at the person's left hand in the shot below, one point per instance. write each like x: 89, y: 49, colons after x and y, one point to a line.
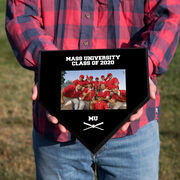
x: 136, y: 116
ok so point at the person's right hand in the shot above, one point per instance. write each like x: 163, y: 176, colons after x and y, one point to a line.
x: 51, y: 118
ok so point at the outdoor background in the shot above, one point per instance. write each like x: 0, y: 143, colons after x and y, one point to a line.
x: 16, y: 155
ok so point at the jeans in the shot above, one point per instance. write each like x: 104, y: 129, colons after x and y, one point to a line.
x: 134, y: 157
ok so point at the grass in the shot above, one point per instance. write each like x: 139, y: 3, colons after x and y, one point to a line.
x: 169, y: 85
x: 16, y: 155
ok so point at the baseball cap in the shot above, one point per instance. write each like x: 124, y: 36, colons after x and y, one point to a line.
x: 82, y: 76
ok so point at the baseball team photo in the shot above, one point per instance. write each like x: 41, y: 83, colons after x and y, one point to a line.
x: 93, y: 89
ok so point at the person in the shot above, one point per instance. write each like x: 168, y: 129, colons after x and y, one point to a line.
x: 99, y: 104
x: 34, y: 25
x: 111, y: 81
x: 105, y: 92
x: 90, y: 79
x: 96, y: 82
x: 96, y: 85
x: 79, y: 81
x: 72, y: 94
x: 87, y: 95
x: 118, y: 99
x: 102, y: 80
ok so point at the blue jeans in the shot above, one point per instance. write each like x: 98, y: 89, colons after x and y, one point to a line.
x: 134, y: 157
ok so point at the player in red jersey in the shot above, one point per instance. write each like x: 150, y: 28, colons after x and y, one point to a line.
x: 89, y: 79
x: 79, y: 81
x: 103, y: 81
x: 118, y: 100
x: 112, y: 81
x: 99, y: 104
x: 105, y: 92
x: 97, y: 84
x: 88, y: 95
x: 71, y: 93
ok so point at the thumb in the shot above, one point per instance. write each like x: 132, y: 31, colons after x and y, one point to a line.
x: 34, y: 92
x: 125, y: 126
x: 62, y: 128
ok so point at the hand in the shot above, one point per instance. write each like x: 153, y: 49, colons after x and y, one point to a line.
x: 51, y: 118
x: 136, y: 116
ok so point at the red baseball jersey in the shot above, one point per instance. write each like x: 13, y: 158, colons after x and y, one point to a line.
x: 71, y: 92
x: 96, y: 84
x: 111, y: 82
x: 91, y: 82
x: 90, y: 96
x: 77, y: 81
x: 102, y: 82
x: 105, y: 93
x: 85, y: 83
x: 101, y: 105
x: 120, y: 97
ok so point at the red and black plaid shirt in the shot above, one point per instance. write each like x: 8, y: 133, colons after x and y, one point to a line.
x: 34, y: 25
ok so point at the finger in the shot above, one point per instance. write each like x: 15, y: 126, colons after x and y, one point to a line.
x: 51, y: 118
x: 54, y: 120
x: 62, y: 128
x: 137, y: 115
x: 125, y: 126
x: 152, y: 89
x: 34, y: 92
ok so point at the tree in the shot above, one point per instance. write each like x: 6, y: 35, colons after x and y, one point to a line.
x: 62, y: 77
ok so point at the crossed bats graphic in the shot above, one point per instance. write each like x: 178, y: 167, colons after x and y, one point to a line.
x: 92, y: 126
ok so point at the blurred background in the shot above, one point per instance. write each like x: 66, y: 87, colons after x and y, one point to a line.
x: 16, y: 155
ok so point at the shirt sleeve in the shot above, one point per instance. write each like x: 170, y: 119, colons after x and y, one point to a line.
x: 161, y: 34
x: 75, y: 82
x: 65, y: 90
x: 24, y: 28
x: 68, y: 90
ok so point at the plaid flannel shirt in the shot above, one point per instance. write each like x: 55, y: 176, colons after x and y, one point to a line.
x: 34, y: 25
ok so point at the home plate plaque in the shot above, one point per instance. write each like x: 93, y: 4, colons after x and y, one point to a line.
x: 93, y: 92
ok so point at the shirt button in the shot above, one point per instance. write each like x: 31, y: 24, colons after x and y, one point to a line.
x: 87, y: 15
x: 86, y: 43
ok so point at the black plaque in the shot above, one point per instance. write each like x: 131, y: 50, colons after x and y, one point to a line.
x: 94, y: 126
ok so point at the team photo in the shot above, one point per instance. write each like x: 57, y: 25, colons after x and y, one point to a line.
x: 93, y: 90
